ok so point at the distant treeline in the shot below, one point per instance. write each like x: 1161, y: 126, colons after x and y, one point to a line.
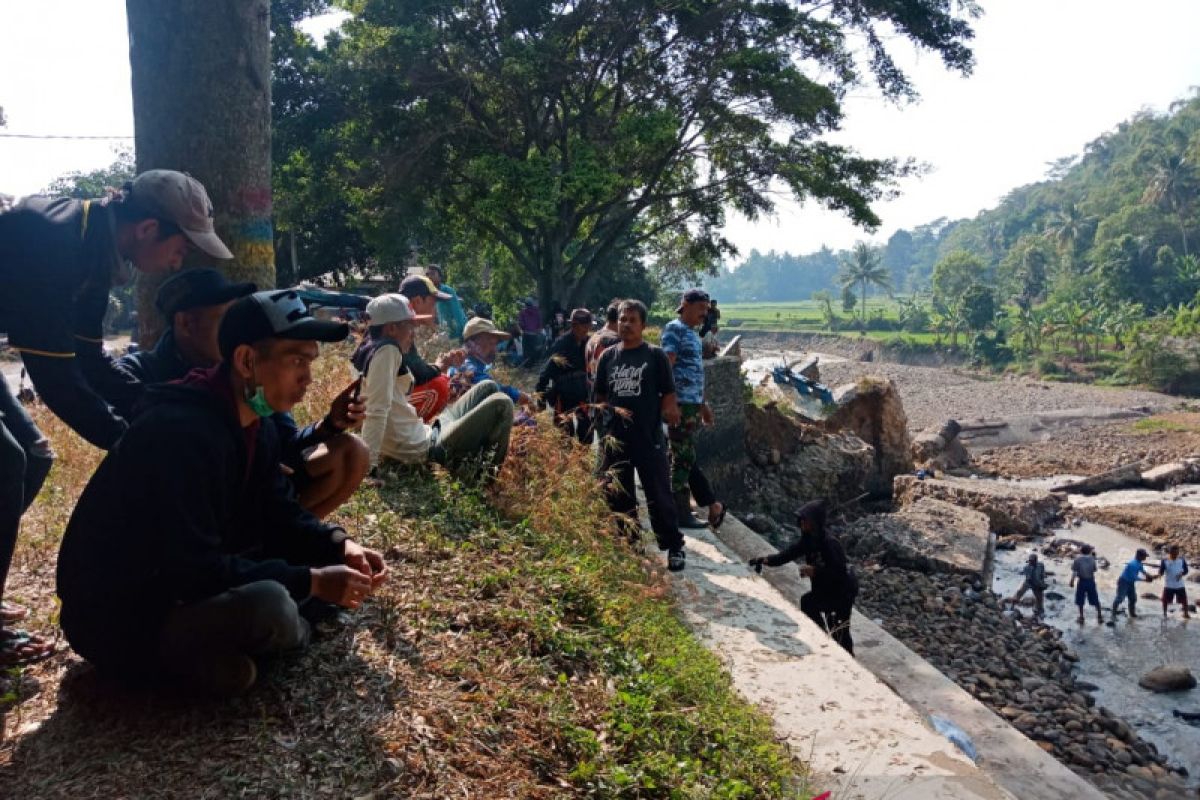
x: 1115, y: 224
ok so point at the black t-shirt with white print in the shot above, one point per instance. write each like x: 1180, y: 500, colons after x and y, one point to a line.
x: 634, y: 380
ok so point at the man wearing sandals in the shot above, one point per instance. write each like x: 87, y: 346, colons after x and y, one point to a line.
x: 685, y: 351
x: 188, y: 557
x: 58, y: 259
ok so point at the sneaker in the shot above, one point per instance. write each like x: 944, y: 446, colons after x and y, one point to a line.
x: 676, y: 560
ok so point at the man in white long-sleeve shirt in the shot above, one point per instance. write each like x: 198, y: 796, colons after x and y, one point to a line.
x: 475, y: 427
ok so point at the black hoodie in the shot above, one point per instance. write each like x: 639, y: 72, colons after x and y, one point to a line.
x: 187, y: 505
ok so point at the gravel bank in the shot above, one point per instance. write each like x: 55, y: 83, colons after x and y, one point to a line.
x: 1020, y: 670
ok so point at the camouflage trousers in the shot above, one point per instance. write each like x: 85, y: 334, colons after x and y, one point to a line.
x: 685, y: 474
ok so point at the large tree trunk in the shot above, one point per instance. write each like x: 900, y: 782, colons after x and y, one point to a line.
x: 202, y: 105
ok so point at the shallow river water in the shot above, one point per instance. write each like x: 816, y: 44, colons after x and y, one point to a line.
x: 1113, y: 658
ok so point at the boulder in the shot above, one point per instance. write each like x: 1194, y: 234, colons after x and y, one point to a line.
x: 938, y: 447
x: 1123, y: 477
x: 1169, y: 678
x: 1011, y: 510
x: 872, y: 411
x: 1164, y: 476
x: 928, y: 535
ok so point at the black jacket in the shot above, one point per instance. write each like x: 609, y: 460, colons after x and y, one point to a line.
x: 832, y: 578
x: 184, y: 507
x: 57, y: 261
x: 565, y: 374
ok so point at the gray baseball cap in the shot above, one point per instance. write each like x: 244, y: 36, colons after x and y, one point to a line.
x: 278, y: 313
x: 180, y: 198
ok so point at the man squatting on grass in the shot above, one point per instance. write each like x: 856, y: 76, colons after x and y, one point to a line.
x: 563, y: 381
x: 474, y: 427
x: 188, y: 555
x: 635, y: 393
x: 325, y: 462
x: 685, y: 351
x: 58, y: 259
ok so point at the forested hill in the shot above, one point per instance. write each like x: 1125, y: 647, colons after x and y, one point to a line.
x: 1109, y: 224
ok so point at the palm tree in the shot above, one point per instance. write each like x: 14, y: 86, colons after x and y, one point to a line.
x: 1169, y: 187
x: 1120, y: 320
x: 864, y: 268
x: 1068, y: 229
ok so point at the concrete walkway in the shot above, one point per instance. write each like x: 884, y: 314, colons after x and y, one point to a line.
x: 861, y: 724
x: 859, y: 738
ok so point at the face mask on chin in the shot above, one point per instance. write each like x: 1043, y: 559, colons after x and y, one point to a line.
x: 257, y: 400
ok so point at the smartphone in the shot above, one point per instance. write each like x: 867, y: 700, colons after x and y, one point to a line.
x: 356, y: 390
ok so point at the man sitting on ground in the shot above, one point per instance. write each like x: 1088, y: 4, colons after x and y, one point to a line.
x: 563, y: 383
x: 431, y: 391
x: 477, y: 424
x: 324, y: 461
x: 187, y: 555
x: 481, y: 337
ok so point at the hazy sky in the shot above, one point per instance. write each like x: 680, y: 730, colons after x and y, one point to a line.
x: 1051, y: 76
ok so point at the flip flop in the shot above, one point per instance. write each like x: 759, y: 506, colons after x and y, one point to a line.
x: 11, y: 612
x: 716, y: 523
x: 21, y: 648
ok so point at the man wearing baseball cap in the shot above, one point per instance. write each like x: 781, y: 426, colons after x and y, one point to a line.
x: 58, y: 259
x: 187, y: 555
x: 431, y: 390
x: 325, y: 462
x: 685, y: 351
x: 563, y: 383
x: 475, y: 427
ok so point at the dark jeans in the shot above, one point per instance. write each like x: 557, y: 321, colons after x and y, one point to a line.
x: 25, y: 460
x: 1126, y: 590
x: 832, y: 614
x: 617, y: 467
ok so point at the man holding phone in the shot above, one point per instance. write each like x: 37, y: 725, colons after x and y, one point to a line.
x: 213, y: 558
x: 324, y: 461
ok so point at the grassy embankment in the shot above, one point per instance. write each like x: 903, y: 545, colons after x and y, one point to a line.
x: 518, y: 651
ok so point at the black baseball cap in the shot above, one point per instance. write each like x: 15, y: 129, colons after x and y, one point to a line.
x: 274, y: 314
x: 692, y: 296
x: 196, y: 288
x: 419, y: 286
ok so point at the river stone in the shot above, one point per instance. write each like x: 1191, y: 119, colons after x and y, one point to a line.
x: 1122, y: 477
x: 1169, y: 678
x: 1011, y: 510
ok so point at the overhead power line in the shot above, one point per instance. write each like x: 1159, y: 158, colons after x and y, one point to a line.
x: 55, y: 136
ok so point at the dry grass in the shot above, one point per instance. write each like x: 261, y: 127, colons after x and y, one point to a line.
x: 517, y: 651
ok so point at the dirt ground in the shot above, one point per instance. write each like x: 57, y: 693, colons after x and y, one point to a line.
x: 1160, y: 524
x: 1087, y: 451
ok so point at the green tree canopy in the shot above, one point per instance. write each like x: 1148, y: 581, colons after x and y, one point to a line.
x: 956, y: 273
x: 566, y: 132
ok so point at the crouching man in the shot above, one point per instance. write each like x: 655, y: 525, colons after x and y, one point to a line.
x: 187, y: 555
x: 475, y: 427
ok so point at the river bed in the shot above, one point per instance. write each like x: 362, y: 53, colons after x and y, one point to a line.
x: 1114, y: 658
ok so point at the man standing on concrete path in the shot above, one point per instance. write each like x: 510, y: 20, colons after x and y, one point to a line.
x: 563, y: 383
x: 602, y: 339
x: 834, y: 584
x: 449, y: 311
x: 58, y: 259
x: 635, y: 393
x: 1127, y: 583
x: 324, y: 461
x: 1174, y: 568
x: 1034, y: 573
x: 683, y: 348
x: 1083, y: 573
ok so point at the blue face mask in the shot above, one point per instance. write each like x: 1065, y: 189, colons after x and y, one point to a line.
x: 258, y: 402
